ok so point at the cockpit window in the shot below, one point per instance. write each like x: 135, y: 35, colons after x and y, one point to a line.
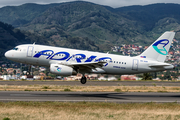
x: 15, y: 48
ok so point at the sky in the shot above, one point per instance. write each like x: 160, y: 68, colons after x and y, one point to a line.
x: 112, y: 3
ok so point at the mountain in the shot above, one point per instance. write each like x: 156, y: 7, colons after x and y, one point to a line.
x: 149, y: 15
x: 23, y: 14
x: 84, y: 19
x: 155, y: 18
x: 10, y: 37
x: 85, y: 25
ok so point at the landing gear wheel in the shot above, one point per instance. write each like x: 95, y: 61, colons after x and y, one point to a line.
x: 83, y: 80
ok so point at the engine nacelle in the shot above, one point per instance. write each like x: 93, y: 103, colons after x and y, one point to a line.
x: 62, y: 70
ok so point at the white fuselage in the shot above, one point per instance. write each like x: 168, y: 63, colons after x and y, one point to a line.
x: 113, y: 64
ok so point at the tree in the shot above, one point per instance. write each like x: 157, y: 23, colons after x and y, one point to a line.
x: 14, y: 72
x: 167, y: 75
x: 147, y: 76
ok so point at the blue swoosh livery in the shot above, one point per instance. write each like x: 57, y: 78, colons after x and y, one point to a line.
x: 161, y: 50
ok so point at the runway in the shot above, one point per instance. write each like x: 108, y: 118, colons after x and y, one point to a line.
x: 89, y: 97
x: 134, y: 97
x: 93, y: 83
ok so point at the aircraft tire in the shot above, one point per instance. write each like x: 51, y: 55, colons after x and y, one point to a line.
x: 83, y: 80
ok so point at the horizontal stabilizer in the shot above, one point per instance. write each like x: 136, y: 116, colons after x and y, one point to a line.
x: 159, y: 65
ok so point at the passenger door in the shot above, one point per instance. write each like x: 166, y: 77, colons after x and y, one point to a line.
x: 135, y: 64
x: 30, y: 51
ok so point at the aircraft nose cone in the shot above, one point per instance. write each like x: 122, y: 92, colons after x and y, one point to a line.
x: 7, y: 54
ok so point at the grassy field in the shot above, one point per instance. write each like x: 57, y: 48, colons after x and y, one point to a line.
x: 91, y: 88
x: 88, y: 111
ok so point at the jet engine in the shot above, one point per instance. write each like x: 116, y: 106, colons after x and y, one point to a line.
x: 62, y: 70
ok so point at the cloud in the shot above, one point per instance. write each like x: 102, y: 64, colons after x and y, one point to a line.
x: 112, y: 3
x: 120, y: 3
x: 20, y: 2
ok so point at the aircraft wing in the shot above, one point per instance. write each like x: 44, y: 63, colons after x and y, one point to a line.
x: 90, y: 65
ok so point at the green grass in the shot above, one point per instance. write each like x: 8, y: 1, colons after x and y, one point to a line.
x: 6, y: 118
x: 46, y: 87
x: 118, y: 90
x: 67, y: 89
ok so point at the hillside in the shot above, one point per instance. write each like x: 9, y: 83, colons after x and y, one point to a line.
x: 84, y: 25
x: 149, y: 15
x: 10, y: 37
x: 82, y: 19
x: 23, y: 14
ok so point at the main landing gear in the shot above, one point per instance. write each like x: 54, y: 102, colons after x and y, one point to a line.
x: 83, y: 80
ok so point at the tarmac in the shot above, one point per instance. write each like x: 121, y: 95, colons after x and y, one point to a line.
x: 135, y: 97
x: 116, y: 97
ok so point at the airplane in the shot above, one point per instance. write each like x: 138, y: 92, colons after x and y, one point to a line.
x: 65, y: 61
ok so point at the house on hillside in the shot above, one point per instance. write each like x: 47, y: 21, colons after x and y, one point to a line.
x: 128, y: 77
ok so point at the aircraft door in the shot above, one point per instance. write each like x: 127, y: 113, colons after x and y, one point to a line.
x: 135, y: 64
x: 30, y: 51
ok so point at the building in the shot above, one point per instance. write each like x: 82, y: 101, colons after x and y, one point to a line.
x: 128, y: 77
